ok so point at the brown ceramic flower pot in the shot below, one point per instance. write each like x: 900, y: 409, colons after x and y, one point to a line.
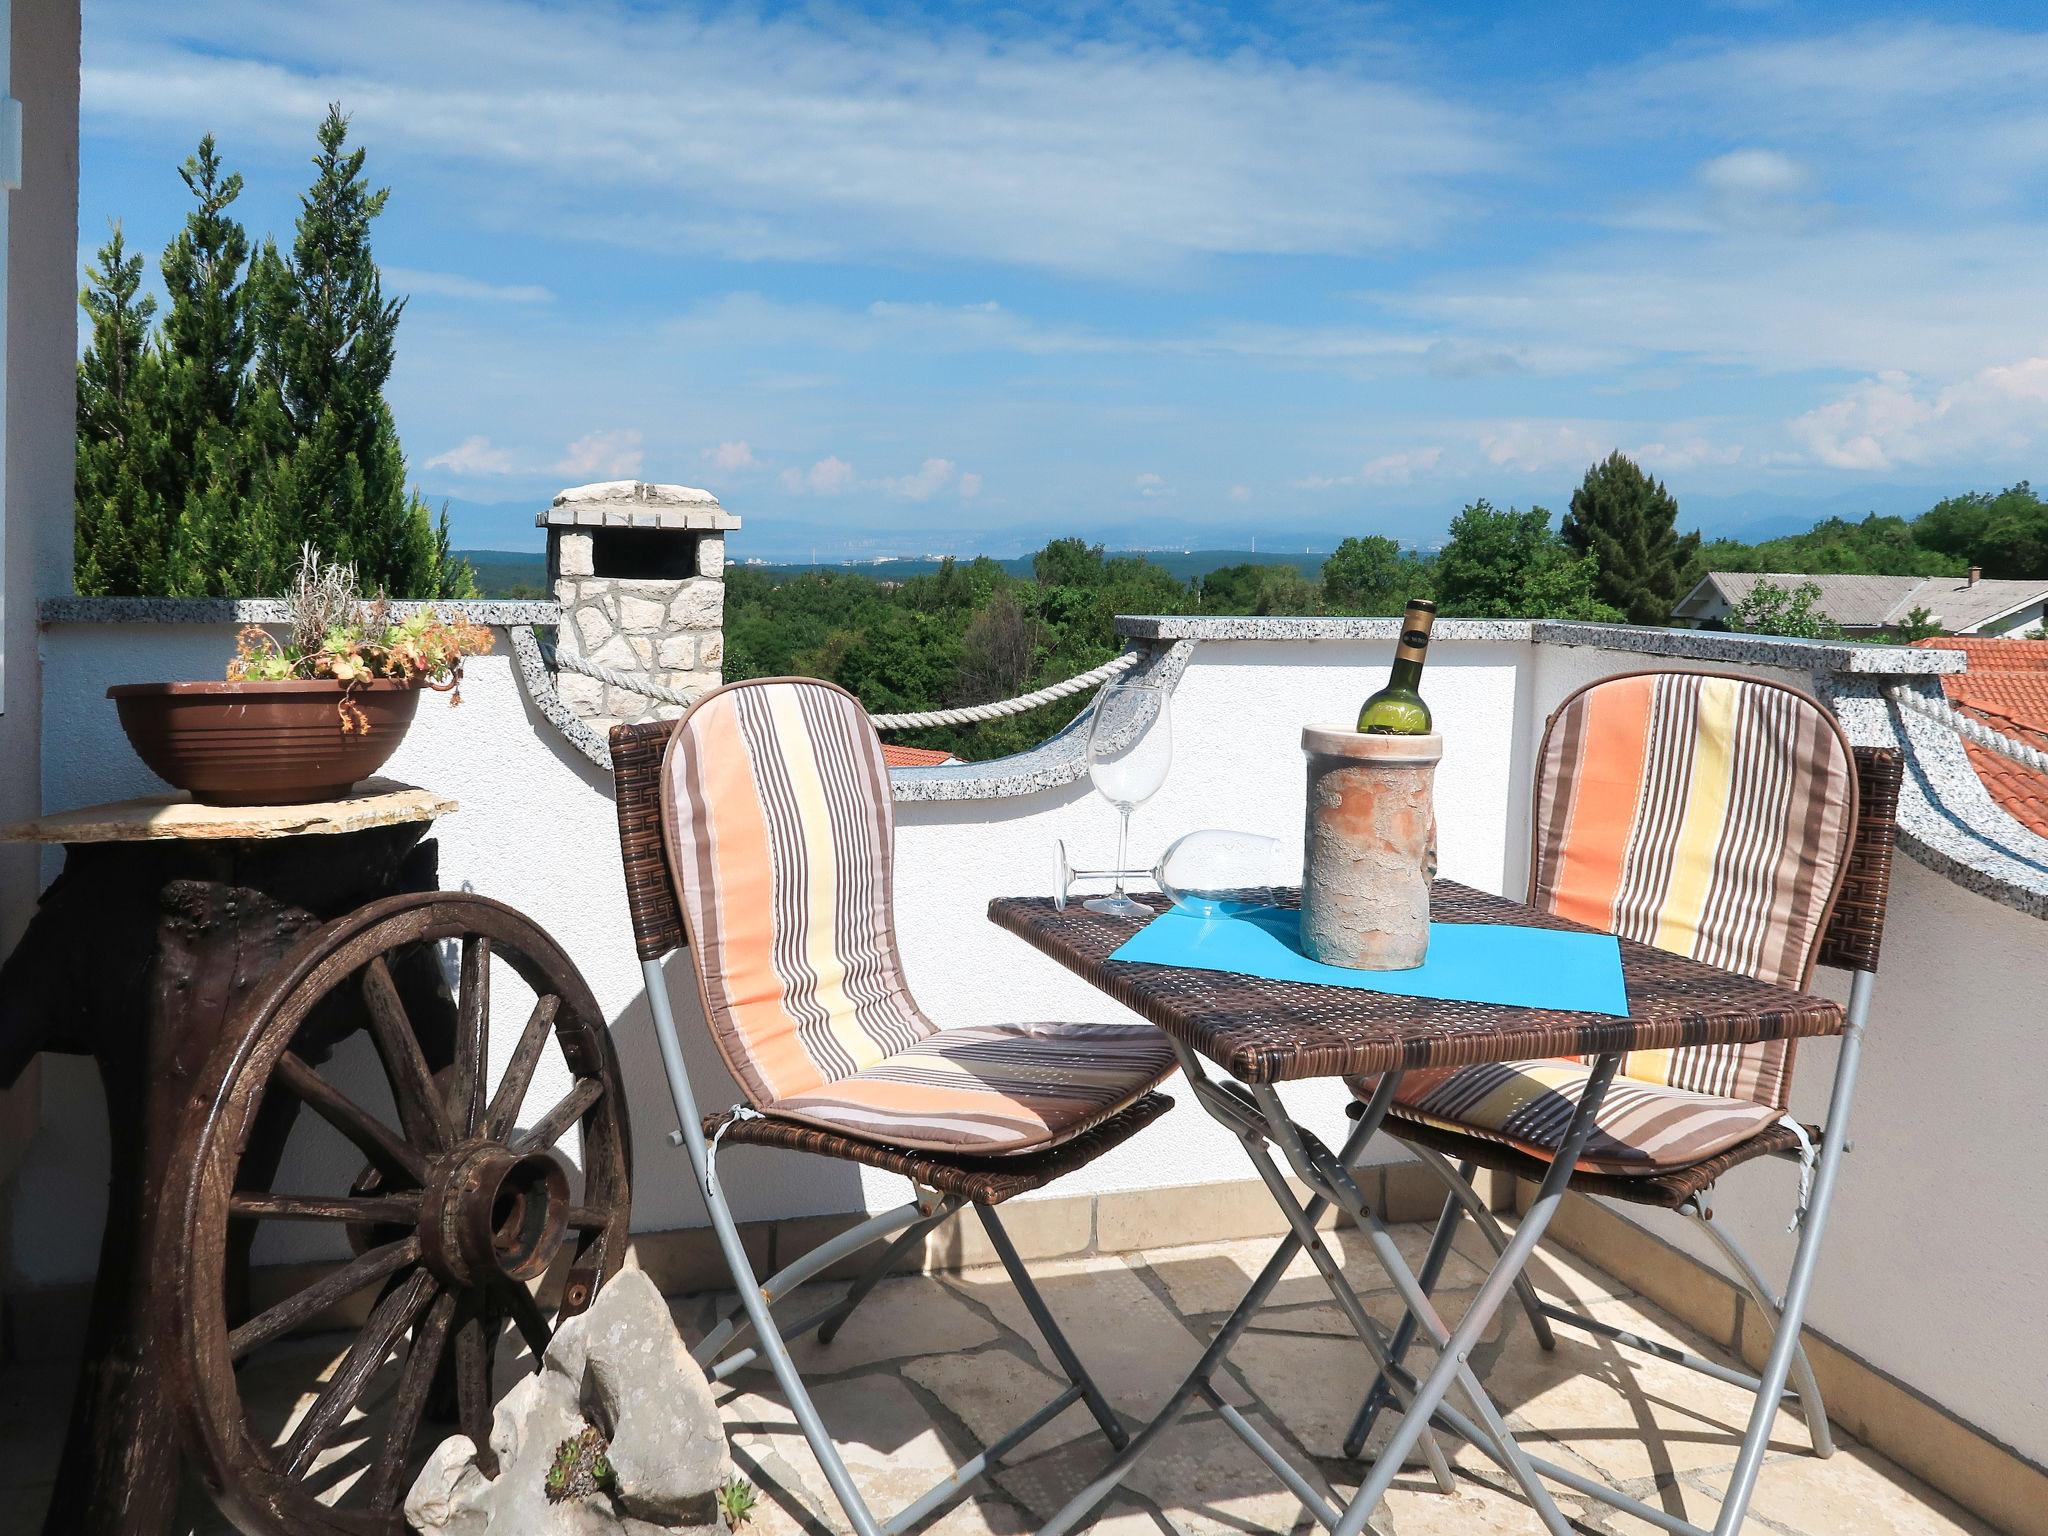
x: 1370, y: 827
x: 264, y: 743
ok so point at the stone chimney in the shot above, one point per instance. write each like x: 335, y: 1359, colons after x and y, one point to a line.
x: 1976, y: 575
x: 640, y: 573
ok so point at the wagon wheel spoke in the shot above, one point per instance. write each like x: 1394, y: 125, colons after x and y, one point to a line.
x: 473, y: 1389
x: 533, y: 1323
x: 519, y: 1071
x: 373, y: 1136
x: 582, y: 1218
x: 548, y: 1129
x: 429, y: 1344
x: 300, y: 1306
x: 420, y: 1109
x: 398, y: 1311
x: 400, y: 1209
x: 472, y: 1033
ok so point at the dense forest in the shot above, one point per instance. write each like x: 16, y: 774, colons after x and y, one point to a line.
x: 974, y: 631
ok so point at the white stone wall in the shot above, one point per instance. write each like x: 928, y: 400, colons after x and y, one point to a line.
x: 669, y: 633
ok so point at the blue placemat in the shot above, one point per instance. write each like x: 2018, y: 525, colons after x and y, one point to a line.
x: 1468, y: 962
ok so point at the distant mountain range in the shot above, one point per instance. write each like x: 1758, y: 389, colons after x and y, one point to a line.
x: 523, y: 573
x: 503, y: 532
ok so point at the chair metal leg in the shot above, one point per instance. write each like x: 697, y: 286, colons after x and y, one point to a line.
x: 1049, y: 1328
x: 884, y: 1263
x: 1810, y: 1403
x: 1778, y: 1365
x: 1404, y: 1334
x: 740, y: 1267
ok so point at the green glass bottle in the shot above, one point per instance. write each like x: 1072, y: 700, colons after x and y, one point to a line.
x: 1397, y: 709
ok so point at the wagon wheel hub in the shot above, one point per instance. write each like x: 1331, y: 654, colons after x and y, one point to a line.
x: 493, y: 1214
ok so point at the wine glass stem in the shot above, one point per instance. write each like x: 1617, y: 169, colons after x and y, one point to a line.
x: 1123, y: 842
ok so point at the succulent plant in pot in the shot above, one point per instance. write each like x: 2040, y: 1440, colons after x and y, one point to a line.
x: 307, y: 717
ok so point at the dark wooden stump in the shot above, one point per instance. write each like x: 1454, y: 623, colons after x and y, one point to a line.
x: 139, y: 955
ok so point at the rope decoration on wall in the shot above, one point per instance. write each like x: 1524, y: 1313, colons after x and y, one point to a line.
x: 564, y: 662
x: 1968, y: 728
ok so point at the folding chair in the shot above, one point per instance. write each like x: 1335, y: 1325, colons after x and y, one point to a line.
x: 758, y: 831
x: 1729, y: 820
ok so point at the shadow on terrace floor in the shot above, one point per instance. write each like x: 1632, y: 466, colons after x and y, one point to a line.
x: 930, y: 1366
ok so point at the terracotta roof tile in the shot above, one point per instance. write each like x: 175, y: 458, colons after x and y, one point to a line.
x: 914, y: 757
x: 2006, y: 688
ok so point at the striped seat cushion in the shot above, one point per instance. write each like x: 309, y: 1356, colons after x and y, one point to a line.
x: 1640, y: 1127
x: 779, y: 825
x: 992, y: 1088
x: 779, y: 828
x: 1708, y: 816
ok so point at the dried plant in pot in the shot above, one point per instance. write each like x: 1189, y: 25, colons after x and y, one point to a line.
x: 305, y: 718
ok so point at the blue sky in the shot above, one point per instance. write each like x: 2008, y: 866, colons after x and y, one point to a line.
x: 890, y: 278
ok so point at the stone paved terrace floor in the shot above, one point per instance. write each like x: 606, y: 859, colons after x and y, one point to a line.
x: 929, y: 1364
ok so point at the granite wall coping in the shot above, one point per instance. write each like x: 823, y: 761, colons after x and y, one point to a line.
x: 1688, y: 644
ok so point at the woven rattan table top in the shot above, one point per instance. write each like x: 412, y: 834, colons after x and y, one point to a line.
x: 1264, y: 1031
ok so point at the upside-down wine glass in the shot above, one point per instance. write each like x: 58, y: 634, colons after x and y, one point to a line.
x: 1211, y: 873
x: 1130, y: 747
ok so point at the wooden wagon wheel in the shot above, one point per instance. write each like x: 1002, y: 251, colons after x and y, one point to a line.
x: 457, y: 1211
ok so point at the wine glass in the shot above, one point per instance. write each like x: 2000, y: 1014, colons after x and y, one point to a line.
x: 1130, y: 747
x: 1210, y: 873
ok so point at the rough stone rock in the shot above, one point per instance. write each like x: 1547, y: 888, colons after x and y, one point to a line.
x: 640, y: 615
x: 574, y: 555
x: 698, y: 604
x: 592, y: 627
x: 622, y: 1367
x: 678, y: 652
x: 711, y: 555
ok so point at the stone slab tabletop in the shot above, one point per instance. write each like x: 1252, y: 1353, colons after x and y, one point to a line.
x: 160, y: 818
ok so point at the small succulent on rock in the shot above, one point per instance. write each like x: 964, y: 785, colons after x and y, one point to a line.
x: 580, y: 1468
x: 736, y: 1500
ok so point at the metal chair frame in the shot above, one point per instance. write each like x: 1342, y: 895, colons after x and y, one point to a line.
x: 1879, y: 773
x: 749, y: 1331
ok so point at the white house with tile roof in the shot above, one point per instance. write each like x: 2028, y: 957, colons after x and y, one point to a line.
x: 1961, y: 605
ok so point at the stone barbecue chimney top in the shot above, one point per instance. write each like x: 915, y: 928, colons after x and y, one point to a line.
x: 636, y: 504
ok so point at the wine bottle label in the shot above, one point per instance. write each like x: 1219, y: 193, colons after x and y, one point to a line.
x: 1415, y: 632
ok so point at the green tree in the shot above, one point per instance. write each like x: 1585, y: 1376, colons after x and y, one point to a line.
x: 222, y: 543
x: 1511, y: 565
x: 1628, y: 523
x: 1769, y: 609
x: 120, y: 532
x: 326, y: 336
x: 1372, y: 575
x: 1261, y: 589
x: 2006, y: 534
x: 1920, y: 625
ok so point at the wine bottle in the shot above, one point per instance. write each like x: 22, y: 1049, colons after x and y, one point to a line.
x: 1397, y: 709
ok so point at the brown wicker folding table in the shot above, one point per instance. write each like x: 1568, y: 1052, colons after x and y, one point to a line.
x: 1263, y: 1032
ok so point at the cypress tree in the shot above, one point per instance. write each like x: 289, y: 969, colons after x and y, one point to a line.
x: 325, y: 338
x: 120, y: 532
x: 1629, y: 523
x: 217, y: 548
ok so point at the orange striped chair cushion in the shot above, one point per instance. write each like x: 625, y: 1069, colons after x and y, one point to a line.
x: 1639, y: 1128
x: 777, y: 812
x: 998, y: 1085
x: 780, y: 831
x: 1708, y: 816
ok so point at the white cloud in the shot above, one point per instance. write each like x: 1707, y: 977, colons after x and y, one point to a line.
x: 474, y: 456
x: 827, y: 477
x: 610, y: 455
x: 452, y: 285
x: 1240, y: 493
x: 1754, y: 173
x: 732, y: 457
x: 1396, y: 468
x: 932, y: 476
x: 825, y: 134
x: 1151, y: 486
x: 1892, y: 420
x: 970, y: 486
